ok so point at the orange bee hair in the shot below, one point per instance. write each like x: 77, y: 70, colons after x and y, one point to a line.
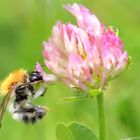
x: 12, y: 80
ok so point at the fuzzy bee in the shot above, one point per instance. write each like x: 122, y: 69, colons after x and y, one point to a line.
x: 18, y: 88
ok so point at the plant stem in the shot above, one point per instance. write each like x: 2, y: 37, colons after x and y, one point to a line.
x: 101, y: 117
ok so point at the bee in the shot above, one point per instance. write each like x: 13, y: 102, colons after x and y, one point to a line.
x: 19, y: 88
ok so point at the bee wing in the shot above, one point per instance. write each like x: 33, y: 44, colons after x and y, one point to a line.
x: 3, y: 106
x: 40, y: 91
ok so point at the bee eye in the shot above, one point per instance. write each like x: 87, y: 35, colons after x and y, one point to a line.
x: 35, y: 76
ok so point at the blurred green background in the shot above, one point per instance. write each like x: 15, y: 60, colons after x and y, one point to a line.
x: 24, y: 24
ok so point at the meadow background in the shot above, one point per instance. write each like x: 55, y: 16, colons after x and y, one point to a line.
x: 24, y: 24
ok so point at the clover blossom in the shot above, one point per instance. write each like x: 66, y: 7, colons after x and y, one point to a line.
x: 85, y: 55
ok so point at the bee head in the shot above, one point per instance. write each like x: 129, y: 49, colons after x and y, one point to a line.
x: 34, y: 77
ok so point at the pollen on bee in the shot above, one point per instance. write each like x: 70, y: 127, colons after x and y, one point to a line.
x: 12, y: 79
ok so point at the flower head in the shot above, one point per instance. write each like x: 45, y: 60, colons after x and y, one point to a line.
x: 86, y: 55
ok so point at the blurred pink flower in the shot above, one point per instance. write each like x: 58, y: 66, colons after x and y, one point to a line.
x: 84, y: 56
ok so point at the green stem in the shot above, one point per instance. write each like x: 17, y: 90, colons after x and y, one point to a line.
x: 101, y: 117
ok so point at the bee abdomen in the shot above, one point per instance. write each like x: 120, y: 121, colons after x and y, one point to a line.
x: 30, y: 115
x: 26, y: 119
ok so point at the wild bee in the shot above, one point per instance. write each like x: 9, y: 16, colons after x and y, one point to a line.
x: 19, y: 88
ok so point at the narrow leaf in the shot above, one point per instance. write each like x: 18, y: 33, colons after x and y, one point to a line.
x: 71, y: 99
x: 132, y: 138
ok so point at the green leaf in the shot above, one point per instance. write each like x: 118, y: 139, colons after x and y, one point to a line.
x: 63, y: 133
x: 132, y: 138
x: 71, y: 99
x: 81, y: 132
x: 74, y: 131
